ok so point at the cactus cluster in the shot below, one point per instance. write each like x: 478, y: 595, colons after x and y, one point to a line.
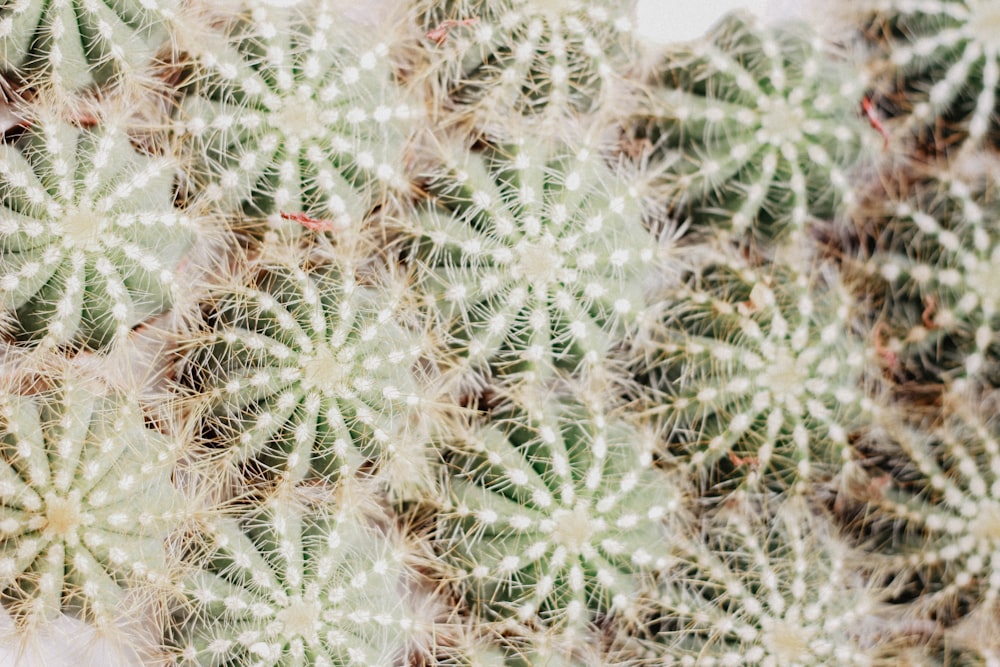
x: 481, y: 333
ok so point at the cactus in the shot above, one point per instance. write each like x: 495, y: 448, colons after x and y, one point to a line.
x: 772, y: 586
x: 494, y: 58
x: 931, y: 255
x: 938, y: 62
x: 305, y: 371
x: 295, y: 114
x: 758, y: 127
x: 754, y: 378
x: 70, y: 45
x: 90, y: 241
x: 936, y: 508
x: 86, y: 501
x: 286, y: 583
x: 535, y: 254
x: 557, y: 515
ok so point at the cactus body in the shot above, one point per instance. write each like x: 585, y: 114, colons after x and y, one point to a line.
x: 760, y: 384
x: 89, y: 238
x: 529, y: 57
x: 282, y: 586
x: 70, y: 45
x: 306, y: 372
x: 759, y: 127
x: 535, y: 256
x: 295, y: 114
x: 558, y: 516
x: 86, y: 501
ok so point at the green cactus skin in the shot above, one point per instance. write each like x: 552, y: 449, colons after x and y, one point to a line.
x: 934, y: 253
x: 283, y: 584
x: 90, y: 240
x: 307, y: 372
x: 494, y: 58
x: 756, y: 376
x: 86, y: 501
x: 943, y: 56
x: 938, y: 507
x: 768, y: 590
x: 758, y: 126
x: 557, y: 515
x: 535, y: 255
x: 294, y: 114
x: 69, y: 45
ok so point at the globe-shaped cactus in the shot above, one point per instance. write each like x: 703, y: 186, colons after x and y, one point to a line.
x: 90, y: 240
x: 298, y: 118
x: 69, y: 45
x: 557, y: 515
x: 536, y: 256
x: 759, y: 127
x: 941, y: 61
x: 492, y: 58
x: 770, y: 587
x: 306, y: 372
x: 86, y: 500
x: 933, y: 513
x: 756, y: 376
x: 933, y: 253
x: 283, y: 583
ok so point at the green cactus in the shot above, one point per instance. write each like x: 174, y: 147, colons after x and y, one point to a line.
x: 536, y: 256
x: 758, y: 127
x: 936, y: 508
x: 70, y: 45
x: 90, y: 240
x: 86, y: 501
x: 930, y: 254
x: 285, y: 583
x: 295, y: 113
x: 492, y: 58
x: 771, y: 587
x: 306, y: 372
x: 939, y: 61
x: 557, y: 515
x: 756, y: 377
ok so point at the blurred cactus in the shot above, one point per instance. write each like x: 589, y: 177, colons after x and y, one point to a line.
x: 70, y: 45
x: 938, y: 63
x: 931, y: 255
x: 283, y: 583
x: 493, y: 58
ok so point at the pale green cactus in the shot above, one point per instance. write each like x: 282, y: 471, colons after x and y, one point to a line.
x: 285, y: 583
x: 90, y: 240
x: 69, y: 45
x: 86, y: 501
x: 294, y: 112
x: 492, y: 58
x: 306, y: 372
x: 557, y: 514
x: 756, y: 376
x: 770, y: 587
x: 758, y: 126
x: 535, y: 254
